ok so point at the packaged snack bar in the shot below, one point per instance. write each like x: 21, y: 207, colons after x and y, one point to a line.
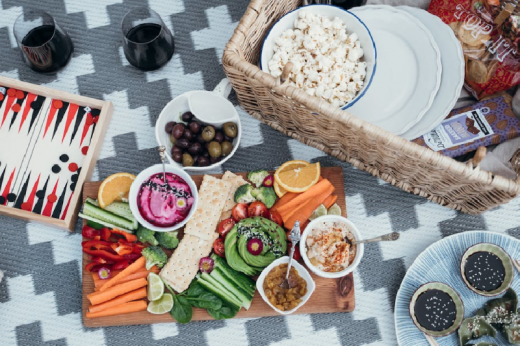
x: 466, y: 129
x: 488, y: 31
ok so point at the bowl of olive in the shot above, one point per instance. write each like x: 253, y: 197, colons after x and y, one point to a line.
x: 198, y: 143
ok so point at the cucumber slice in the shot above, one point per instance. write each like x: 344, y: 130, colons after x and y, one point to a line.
x: 122, y: 209
x: 106, y: 216
x: 230, y: 285
x: 241, y: 280
x: 222, y: 294
x: 218, y: 285
x: 94, y: 224
x: 92, y: 201
x: 100, y: 223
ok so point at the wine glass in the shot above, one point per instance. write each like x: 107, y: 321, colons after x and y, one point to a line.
x: 347, y: 4
x: 44, y: 45
x: 147, y: 42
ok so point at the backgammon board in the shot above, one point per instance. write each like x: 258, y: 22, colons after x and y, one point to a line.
x: 49, y: 142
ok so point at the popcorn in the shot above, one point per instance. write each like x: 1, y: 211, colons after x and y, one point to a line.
x: 326, y: 58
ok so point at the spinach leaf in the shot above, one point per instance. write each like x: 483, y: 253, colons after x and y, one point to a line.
x: 195, y: 289
x: 224, y: 312
x: 181, y: 311
x: 206, y: 300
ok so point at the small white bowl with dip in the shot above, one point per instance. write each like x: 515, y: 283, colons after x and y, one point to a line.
x: 302, y: 272
x: 353, y: 230
x: 142, y: 178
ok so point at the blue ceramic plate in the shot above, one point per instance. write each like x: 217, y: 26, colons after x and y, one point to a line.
x: 441, y: 262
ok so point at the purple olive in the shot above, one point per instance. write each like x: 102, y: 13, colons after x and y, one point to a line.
x: 200, y: 139
x: 186, y: 117
x: 178, y: 130
x: 195, y: 127
x: 188, y: 134
x: 214, y: 159
x: 169, y: 126
x: 177, y: 157
x: 183, y: 143
x: 205, y: 153
x: 227, y: 138
x: 219, y: 137
x: 176, y: 150
x: 195, y: 148
x: 203, y: 161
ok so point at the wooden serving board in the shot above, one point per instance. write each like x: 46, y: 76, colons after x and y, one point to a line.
x: 331, y: 295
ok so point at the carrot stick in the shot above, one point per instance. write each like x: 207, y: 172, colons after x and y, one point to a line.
x: 311, y: 193
x: 132, y: 268
x: 303, y: 212
x: 289, y: 196
x: 137, y: 275
x: 317, y: 197
x: 329, y: 202
x: 125, y: 308
x: 125, y: 298
x: 103, y: 296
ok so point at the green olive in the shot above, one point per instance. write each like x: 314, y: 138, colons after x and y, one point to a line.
x: 214, y: 149
x: 173, y: 140
x: 208, y: 133
x: 230, y: 129
x: 226, y: 148
x: 187, y: 160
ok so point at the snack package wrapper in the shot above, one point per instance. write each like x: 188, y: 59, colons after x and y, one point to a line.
x: 490, y: 49
x: 466, y: 129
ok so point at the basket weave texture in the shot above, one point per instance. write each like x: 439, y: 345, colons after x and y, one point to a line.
x: 315, y: 122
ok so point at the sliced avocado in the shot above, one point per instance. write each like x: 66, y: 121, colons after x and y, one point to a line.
x: 233, y: 257
x: 262, y: 260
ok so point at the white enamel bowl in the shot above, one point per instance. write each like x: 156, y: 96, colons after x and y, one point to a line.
x: 353, y: 229
x: 354, y: 24
x: 181, y: 104
x: 142, y: 177
x: 311, y: 286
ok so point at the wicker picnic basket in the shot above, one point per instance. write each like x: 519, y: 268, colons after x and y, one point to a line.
x: 315, y: 122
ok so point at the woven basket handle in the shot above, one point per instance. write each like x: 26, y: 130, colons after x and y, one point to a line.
x: 479, y: 156
x: 286, y: 72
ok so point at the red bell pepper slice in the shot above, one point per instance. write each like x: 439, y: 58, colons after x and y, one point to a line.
x: 96, y: 244
x: 128, y: 236
x: 138, y: 248
x: 121, y: 249
x: 121, y: 265
x: 103, y: 254
x: 99, y: 259
x: 105, y: 234
x: 89, y: 232
x: 94, y: 267
x: 132, y: 256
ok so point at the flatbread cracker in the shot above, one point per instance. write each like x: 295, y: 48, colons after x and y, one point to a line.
x: 236, y: 181
x: 183, y: 265
x: 213, y: 193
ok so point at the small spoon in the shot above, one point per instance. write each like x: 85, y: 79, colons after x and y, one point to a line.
x: 294, y: 236
x: 387, y: 237
x: 162, y: 150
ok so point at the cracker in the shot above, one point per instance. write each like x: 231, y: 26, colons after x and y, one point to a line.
x: 213, y: 193
x: 183, y: 265
x: 236, y: 181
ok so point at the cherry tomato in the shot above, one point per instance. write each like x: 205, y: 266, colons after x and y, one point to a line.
x: 218, y: 247
x: 276, y: 217
x: 225, y: 226
x: 239, y: 212
x: 257, y: 209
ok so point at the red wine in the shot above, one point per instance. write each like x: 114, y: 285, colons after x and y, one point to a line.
x: 347, y: 4
x: 46, y: 48
x: 149, y: 46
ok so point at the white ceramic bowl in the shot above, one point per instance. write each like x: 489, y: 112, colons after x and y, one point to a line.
x: 311, y: 286
x: 147, y: 173
x: 172, y: 112
x: 354, y: 24
x: 353, y: 230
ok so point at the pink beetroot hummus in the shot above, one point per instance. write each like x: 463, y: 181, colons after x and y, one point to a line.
x: 164, y: 205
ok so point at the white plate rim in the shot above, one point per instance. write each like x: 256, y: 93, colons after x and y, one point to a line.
x: 434, y: 46
x: 462, y: 72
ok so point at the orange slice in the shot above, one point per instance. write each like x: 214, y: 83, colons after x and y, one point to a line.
x: 114, y: 188
x: 298, y: 179
x: 280, y: 191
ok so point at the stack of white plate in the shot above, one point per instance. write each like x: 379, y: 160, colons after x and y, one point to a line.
x: 420, y: 70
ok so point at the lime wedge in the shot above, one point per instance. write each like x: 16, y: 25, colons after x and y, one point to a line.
x: 320, y: 211
x: 161, y: 306
x: 334, y: 210
x: 155, y: 287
